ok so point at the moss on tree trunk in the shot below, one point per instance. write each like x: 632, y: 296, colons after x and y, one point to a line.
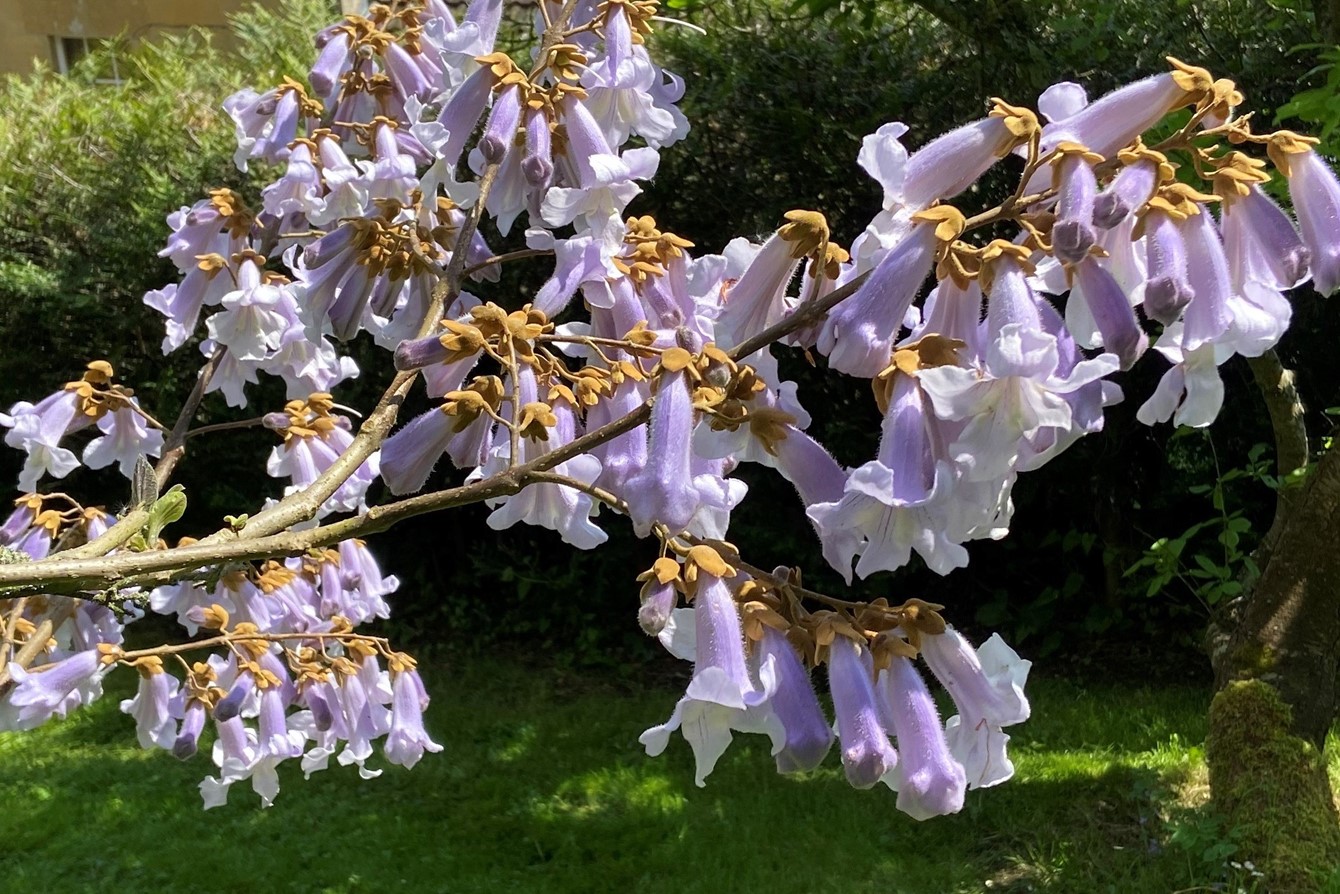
x: 1272, y: 787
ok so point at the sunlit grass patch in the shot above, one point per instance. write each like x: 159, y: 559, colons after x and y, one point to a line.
x: 544, y: 788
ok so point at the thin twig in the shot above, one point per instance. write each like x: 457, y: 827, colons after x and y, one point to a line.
x: 591, y: 341
x: 555, y: 33
x: 175, y: 446
x: 75, y: 505
x: 145, y: 415
x: 620, y: 506
x: 503, y: 258
x: 226, y: 426
x: 11, y: 630
x: 803, y: 316
x: 455, y: 269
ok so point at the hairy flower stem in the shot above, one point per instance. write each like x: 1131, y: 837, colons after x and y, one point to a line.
x: 235, y: 425
x: 11, y: 630
x: 681, y: 543
x: 227, y: 639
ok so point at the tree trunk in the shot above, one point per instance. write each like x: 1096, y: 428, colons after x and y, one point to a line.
x: 1289, y: 629
x: 1278, y: 675
x: 1326, y: 13
x: 1279, y: 388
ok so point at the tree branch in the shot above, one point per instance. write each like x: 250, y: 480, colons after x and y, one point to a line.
x: 268, y: 533
x: 175, y: 446
x: 1279, y: 389
x: 303, y: 505
x: 75, y: 576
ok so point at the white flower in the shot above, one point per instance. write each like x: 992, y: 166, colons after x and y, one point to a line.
x: 125, y: 438
x: 1019, y: 392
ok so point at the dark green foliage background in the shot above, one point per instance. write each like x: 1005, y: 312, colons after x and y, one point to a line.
x: 779, y: 102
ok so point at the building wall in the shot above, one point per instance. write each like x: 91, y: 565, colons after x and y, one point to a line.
x: 31, y: 28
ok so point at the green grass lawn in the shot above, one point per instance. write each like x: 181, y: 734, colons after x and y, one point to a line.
x: 542, y: 787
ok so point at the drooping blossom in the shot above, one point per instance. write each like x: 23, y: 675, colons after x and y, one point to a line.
x: 407, y: 740
x: 314, y: 438
x: 987, y: 686
x: 867, y: 755
x: 929, y: 780
x: 722, y: 696
x: 809, y: 736
x: 151, y: 706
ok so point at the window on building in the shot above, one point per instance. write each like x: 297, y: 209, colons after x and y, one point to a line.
x: 70, y: 51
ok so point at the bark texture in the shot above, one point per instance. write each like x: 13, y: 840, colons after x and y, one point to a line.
x: 1279, y: 388
x: 1327, y: 16
x: 1288, y: 630
x: 1278, y: 670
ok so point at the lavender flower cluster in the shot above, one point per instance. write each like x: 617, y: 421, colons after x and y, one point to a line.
x: 658, y: 381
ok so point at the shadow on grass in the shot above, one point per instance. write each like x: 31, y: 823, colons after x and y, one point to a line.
x: 540, y: 791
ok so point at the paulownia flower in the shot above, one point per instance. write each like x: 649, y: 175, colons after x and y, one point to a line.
x: 722, y: 695
x: 867, y: 755
x: 987, y: 686
x: 928, y: 779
